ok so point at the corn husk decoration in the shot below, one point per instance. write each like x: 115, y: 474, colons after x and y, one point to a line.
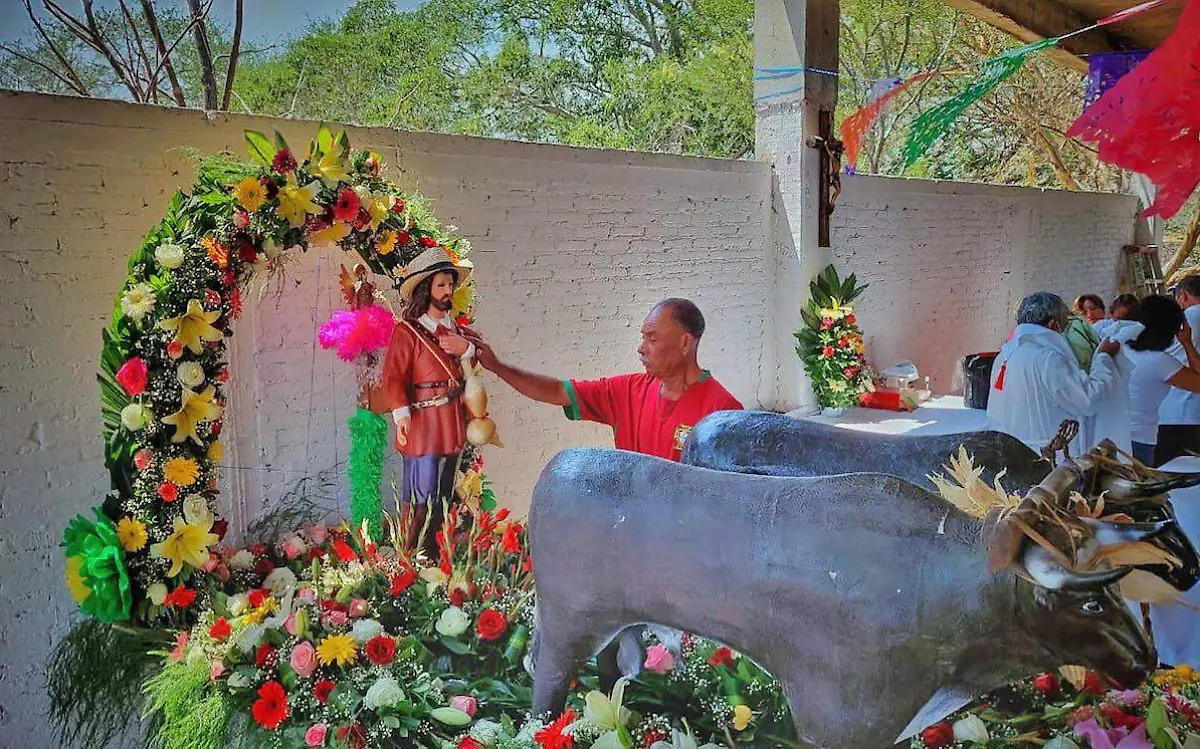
x: 1053, y: 515
x: 481, y: 430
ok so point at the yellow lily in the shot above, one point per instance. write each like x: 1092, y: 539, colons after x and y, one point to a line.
x: 331, y: 167
x: 329, y: 236
x: 377, y: 205
x: 837, y: 311
x: 188, y: 543
x: 194, y: 327
x: 296, y: 202
x: 462, y: 299
x: 196, y: 409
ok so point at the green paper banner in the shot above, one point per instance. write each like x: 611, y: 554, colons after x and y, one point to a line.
x: 368, y: 447
x: 933, y: 124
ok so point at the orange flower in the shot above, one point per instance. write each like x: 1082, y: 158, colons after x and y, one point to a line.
x: 217, y: 252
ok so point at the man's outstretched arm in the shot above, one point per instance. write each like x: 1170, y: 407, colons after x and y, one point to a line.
x: 538, y: 387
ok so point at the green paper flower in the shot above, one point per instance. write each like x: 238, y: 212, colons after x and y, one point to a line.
x: 96, y: 573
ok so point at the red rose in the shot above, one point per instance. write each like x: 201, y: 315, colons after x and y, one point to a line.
x: 362, y: 219
x: 354, y: 734
x: 264, y: 656
x: 264, y: 567
x: 220, y: 630
x: 380, y: 650
x: 652, y: 736
x: 258, y: 549
x: 826, y: 323
x: 174, y: 349
x: 220, y: 527
x: 323, y: 689
x: 346, y: 206
x: 463, y: 320
x: 1119, y: 718
x: 1047, y: 685
x: 398, y: 205
x: 849, y: 373
x: 512, y: 539
x: 271, y: 707
x: 1093, y: 684
x: 722, y: 656
x: 402, y: 581
x: 283, y: 162
x: 827, y: 352
x: 257, y: 596
x: 468, y: 743
x: 428, y: 242
x: 938, y: 736
x: 491, y: 625
x: 132, y: 376
x: 343, y: 550
x: 403, y: 238
x: 843, y: 341
x: 851, y: 320
x: 458, y: 597
x: 247, y: 252
x: 168, y: 492
x: 180, y: 598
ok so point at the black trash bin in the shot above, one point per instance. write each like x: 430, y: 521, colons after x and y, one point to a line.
x: 977, y: 378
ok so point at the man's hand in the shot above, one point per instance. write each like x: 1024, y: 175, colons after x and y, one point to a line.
x: 455, y: 345
x: 402, y: 426
x: 1108, y: 347
x: 483, y: 352
x: 1184, y: 336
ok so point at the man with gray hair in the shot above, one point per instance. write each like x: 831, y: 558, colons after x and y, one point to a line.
x: 1037, y: 382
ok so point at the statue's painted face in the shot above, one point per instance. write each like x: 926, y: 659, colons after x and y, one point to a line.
x: 441, y: 292
x: 666, y: 346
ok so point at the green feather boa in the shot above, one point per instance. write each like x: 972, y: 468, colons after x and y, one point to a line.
x: 368, y: 442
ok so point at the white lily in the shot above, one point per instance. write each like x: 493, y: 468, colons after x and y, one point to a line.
x: 607, y: 714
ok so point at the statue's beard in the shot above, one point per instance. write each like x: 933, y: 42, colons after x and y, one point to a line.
x: 444, y: 305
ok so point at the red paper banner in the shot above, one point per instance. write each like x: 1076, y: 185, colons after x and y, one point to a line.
x: 855, y: 127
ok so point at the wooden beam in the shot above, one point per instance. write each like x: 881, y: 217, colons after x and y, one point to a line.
x: 1032, y: 21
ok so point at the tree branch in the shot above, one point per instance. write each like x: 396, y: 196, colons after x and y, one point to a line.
x: 1190, y: 237
x: 163, y: 56
x: 43, y: 66
x: 118, y: 65
x: 76, y: 83
x: 207, y: 78
x: 142, y: 54
x: 233, y: 57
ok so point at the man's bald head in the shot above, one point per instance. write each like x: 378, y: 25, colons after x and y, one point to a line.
x: 670, y: 337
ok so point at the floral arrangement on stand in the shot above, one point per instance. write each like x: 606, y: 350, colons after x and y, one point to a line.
x: 831, y: 344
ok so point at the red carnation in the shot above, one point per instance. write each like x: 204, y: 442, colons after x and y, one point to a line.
x: 827, y: 352
x: 270, y: 709
x: 220, y: 630
x: 843, y: 341
x: 491, y: 625
x: 180, y: 598
x: 938, y: 736
x: 1047, y: 685
x: 211, y: 298
x: 347, y: 205
x: 283, y: 162
x: 168, y: 492
x: 264, y: 656
x: 722, y: 656
x: 428, y: 242
x: 362, y: 219
x: 380, y: 650
x: 552, y: 736
x: 257, y: 596
x: 343, y: 550
x: 512, y: 538
x: 132, y: 376
x: 402, y: 581
x: 323, y: 689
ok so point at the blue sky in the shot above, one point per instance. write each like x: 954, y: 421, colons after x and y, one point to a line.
x: 265, y: 20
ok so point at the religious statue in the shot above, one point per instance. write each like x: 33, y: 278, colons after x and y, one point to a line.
x: 424, y: 378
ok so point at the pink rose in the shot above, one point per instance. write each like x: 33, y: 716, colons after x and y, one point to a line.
x: 465, y: 704
x: 307, y: 595
x: 334, y: 619
x: 133, y: 376
x: 315, y: 735
x: 293, y: 547
x: 216, y: 670
x: 181, y: 641
x: 142, y: 459
x: 659, y: 659
x: 290, y: 624
x: 211, y: 564
x: 304, y: 659
x: 317, y: 533
x: 222, y: 573
x: 358, y: 607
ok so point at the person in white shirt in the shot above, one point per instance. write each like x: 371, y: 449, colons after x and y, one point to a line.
x: 1155, y: 371
x: 1036, y: 381
x: 1179, y: 415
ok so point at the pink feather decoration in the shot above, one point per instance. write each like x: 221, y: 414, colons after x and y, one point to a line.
x: 357, y: 332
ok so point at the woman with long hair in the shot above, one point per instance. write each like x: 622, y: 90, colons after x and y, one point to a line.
x: 1155, y: 371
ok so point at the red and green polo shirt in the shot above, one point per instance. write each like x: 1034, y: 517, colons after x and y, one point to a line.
x: 642, y: 420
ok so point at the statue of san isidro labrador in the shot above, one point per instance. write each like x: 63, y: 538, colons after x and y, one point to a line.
x: 867, y: 596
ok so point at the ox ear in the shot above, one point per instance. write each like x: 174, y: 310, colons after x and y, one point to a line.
x: 1049, y: 573
x: 1107, y: 533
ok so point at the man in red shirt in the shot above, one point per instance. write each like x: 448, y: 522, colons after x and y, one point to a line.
x: 651, y: 412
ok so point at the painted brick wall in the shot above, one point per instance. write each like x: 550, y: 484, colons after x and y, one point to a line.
x: 572, y: 247
x: 948, y: 262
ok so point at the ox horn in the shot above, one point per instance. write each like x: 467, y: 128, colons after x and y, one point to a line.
x: 1107, y: 533
x: 1123, y: 489
x: 1047, y: 572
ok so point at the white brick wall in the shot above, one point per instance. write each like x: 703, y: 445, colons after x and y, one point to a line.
x: 947, y: 262
x: 572, y: 247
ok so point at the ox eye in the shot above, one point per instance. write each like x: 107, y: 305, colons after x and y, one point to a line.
x: 1092, y: 606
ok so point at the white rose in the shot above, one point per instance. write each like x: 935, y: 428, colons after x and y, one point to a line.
x: 195, y: 510
x: 157, y: 593
x: 238, y: 603
x: 190, y: 374
x: 243, y: 560
x: 365, y: 629
x: 134, y: 416
x: 453, y: 622
x: 971, y: 729
x: 169, y: 256
x: 279, y: 580
x: 384, y: 693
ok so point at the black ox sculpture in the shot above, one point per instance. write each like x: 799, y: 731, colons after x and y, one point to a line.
x: 866, y: 595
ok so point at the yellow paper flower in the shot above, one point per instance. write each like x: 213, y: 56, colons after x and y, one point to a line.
x: 187, y: 543
x: 197, y: 408
x: 79, y: 589
x: 132, y: 534
x: 329, y: 236
x: 331, y: 168
x: 742, y: 717
x: 250, y: 194
x: 181, y: 471
x: 386, y: 242
x: 337, y: 649
x: 216, y: 451
x: 462, y: 299
x: 296, y: 202
x: 194, y: 327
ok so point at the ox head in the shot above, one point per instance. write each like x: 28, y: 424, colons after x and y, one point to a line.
x: 1080, y: 617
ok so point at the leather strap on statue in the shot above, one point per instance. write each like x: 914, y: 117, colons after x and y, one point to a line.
x: 437, y: 352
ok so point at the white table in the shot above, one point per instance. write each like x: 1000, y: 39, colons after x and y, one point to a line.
x: 945, y: 414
